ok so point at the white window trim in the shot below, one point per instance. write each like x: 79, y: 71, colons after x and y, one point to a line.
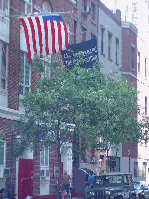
x: 44, y: 159
x: 20, y: 95
x: 4, y: 165
x: 26, y: 3
x: 45, y: 168
x: 4, y: 91
x: 117, y: 50
x: 1, y: 13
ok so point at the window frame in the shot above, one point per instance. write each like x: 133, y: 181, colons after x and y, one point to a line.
x: 75, y: 31
x: 132, y: 57
x: 23, y: 84
x: 138, y: 62
x: 117, y: 51
x: 145, y: 105
x: 84, y: 34
x: 102, y: 40
x: 26, y: 3
x: 93, y: 11
x: 44, y: 149
x: 1, y: 8
x: 4, y: 165
x: 1, y: 77
x: 110, y: 45
x: 145, y: 68
x: 136, y: 169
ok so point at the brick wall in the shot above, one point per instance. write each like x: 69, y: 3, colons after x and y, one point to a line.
x: 7, y: 136
x: 36, y: 172
x: 14, y: 56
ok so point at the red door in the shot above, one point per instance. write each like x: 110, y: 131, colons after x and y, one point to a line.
x: 25, y: 175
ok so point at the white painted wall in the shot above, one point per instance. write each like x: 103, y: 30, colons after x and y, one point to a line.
x: 114, y: 28
x: 66, y: 157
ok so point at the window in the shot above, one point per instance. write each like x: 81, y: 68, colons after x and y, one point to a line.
x: 44, y: 171
x: 75, y: 31
x: 46, y: 7
x: 3, y: 65
x: 117, y: 51
x: 2, y: 154
x: 93, y: 11
x: 145, y: 105
x: 84, y: 3
x: 84, y: 34
x: 109, y: 45
x: 134, y: 7
x: 25, y: 74
x: 139, y: 62
x: 148, y: 5
x: 102, y: 40
x: 47, y: 72
x: 132, y: 54
x: 93, y: 36
x: 26, y: 6
x: 44, y: 157
x: 145, y: 68
x: 135, y: 169
x: 143, y: 169
x: 4, y: 7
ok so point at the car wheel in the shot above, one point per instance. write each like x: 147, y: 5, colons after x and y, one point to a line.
x: 120, y: 197
x: 133, y: 197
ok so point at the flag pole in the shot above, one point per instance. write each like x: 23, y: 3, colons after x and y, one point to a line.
x: 36, y: 14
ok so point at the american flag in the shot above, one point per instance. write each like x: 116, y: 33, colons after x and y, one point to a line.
x: 44, y: 34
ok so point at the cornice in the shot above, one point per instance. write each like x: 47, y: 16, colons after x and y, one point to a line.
x: 109, y: 13
x: 127, y: 24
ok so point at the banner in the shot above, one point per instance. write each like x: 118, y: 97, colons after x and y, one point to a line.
x: 90, y: 53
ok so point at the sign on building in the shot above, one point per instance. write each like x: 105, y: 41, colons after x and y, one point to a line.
x: 89, y: 51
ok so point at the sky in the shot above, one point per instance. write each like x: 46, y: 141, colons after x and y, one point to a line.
x: 121, y: 5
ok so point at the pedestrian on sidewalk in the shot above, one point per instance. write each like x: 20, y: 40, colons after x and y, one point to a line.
x: 66, y: 180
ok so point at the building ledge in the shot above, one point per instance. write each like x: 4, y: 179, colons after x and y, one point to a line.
x: 102, y: 54
x: 73, y: 2
x: 10, y: 113
x: 110, y: 59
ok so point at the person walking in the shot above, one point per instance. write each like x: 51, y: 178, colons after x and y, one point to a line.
x: 66, y: 180
x: 91, y: 179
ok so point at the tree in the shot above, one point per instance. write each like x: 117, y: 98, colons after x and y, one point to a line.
x: 96, y: 104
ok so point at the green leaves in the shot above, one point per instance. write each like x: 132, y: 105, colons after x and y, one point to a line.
x: 97, y: 104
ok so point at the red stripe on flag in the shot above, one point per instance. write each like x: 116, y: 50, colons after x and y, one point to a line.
x: 46, y: 37
x: 59, y: 35
x: 66, y: 35
x: 39, y: 34
x: 27, y: 39
x: 33, y: 34
x: 53, y: 36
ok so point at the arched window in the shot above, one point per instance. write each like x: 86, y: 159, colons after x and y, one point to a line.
x: 46, y: 7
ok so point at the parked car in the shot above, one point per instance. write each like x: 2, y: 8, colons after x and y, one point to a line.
x: 113, y: 185
x: 141, y: 189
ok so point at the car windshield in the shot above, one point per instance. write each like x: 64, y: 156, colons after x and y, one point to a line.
x: 137, y: 185
x: 108, y: 180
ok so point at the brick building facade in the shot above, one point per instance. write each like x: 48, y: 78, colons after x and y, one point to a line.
x: 12, y: 43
